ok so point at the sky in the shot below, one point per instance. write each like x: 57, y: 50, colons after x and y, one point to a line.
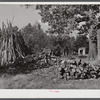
x: 20, y: 16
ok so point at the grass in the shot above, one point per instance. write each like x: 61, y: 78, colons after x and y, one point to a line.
x: 46, y: 78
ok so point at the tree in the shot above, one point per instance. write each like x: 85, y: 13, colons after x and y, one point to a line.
x: 65, y: 42
x: 65, y: 18
x: 34, y: 37
x: 81, y: 41
x: 57, y: 50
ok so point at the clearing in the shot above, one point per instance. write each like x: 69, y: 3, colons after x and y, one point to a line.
x: 46, y: 78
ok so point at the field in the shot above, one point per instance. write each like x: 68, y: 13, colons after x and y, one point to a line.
x: 46, y: 78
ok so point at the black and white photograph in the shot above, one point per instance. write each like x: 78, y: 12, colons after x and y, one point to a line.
x: 50, y: 46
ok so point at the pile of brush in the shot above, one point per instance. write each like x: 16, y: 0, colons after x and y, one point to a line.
x: 27, y: 64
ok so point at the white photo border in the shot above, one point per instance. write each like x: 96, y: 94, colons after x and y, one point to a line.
x: 49, y: 93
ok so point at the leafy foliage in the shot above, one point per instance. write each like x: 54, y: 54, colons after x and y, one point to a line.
x: 64, y: 43
x: 81, y: 41
x: 34, y: 37
x: 65, y: 18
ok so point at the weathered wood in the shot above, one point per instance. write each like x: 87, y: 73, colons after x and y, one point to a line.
x: 12, y: 46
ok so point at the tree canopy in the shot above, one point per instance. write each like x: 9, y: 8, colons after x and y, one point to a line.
x: 34, y: 37
x: 81, y: 41
x: 65, y: 18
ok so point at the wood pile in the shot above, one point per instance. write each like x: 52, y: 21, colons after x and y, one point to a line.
x: 81, y: 70
x: 27, y: 64
x: 12, y: 45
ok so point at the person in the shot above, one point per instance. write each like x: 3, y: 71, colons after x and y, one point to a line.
x: 62, y: 72
x: 47, y: 58
x: 50, y: 58
x: 80, y: 62
x: 75, y: 63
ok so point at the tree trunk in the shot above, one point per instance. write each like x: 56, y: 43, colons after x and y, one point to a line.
x: 98, y: 43
x: 92, y: 46
x: 92, y: 50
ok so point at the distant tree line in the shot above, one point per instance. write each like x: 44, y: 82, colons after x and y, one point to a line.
x: 36, y: 40
x: 68, y: 45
